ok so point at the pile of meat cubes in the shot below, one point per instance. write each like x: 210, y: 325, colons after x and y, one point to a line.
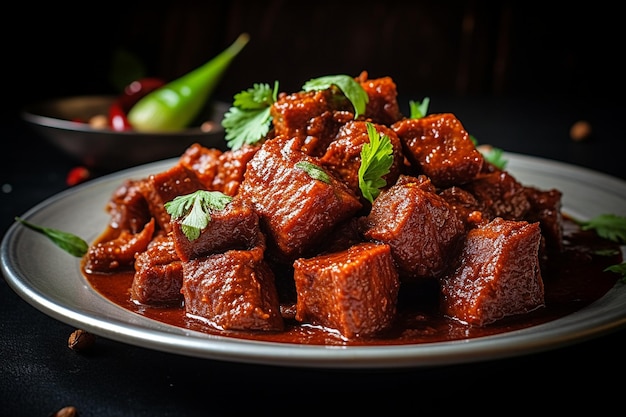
x: 446, y: 215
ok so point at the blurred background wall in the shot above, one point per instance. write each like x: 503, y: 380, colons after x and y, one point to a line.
x: 460, y: 48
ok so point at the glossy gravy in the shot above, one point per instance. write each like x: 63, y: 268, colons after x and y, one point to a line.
x: 572, y: 281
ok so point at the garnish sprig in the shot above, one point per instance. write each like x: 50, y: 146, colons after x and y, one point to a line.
x: 348, y: 86
x: 376, y: 160
x: 195, y: 210
x: 249, y: 119
x: 69, y: 242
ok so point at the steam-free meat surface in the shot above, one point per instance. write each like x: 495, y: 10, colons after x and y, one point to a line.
x: 128, y: 208
x: 235, y: 227
x: 165, y: 186
x: 382, y: 106
x: 497, y: 275
x: 233, y: 290
x: 439, y: 146
x: 420, y: 227
x: 158, y: 274
x: 203, y: 161
x: 500, y: 195
x: 118, y: 253
x: 354, y: 291
x: 545, y: 208
x: 343, y: 155
x: 296, y: 210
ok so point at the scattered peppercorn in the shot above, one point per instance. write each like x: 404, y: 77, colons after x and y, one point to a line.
x: 68, y: 411
x: 81, y: 340
x: 581, y: 130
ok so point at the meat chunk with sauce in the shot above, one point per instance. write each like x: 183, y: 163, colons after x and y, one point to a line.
x: 421, y: 228
x: 296, y: 209
x: 164, y: 186
x: 438, y: 146
x: 158, y: 274
x: 497, y: 274
x: 343, y: 155
x: 234, y: 290
x: 234, y: 227
x: 382, y: 106
x: 353, y: 292
x: 500, y: 195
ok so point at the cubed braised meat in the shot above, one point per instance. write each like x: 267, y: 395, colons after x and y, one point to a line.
x: 353, y: 292
x: 296, y: 208
x: 497, y: 275
x: 382, y: 107
x: 232, y: 166
x: 500, y: 194
x: 438, y: 145
x: 118, y: 254
x: 234, y: 227
x: 545, y: 208
x: 234, y: 290
x: 313, y: 117
x: 466, y: 206
x: 128, y: 208
x: 204, y: 162
x: 343, y: 155
x: 419, y: 225
x: 158, y: 274
x: 165, y: 186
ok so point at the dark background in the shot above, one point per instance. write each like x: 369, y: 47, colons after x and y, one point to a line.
x: 458, y: 48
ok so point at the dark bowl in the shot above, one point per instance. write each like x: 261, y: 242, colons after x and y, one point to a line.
x: 107, y: 149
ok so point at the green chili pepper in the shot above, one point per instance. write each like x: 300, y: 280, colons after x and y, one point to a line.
x: 173, y: 106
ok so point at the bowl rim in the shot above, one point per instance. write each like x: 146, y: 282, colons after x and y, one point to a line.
x: 32, y: 114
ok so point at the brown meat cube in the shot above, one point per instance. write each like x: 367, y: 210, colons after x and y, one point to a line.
x: 234, y: 227
x: 232, y: 166
x: 497, y: 275
x: 234, y: 290
x: 203, y: 161
x: 158, y: 274
x: 296, y: 211
x: 545, y: 208
x: 128, y: 208
x: 500, y: 195
x: 419, y: 225
x: 382, y: 107
x: 438, y: 145
x: 354, y: 291
x: 466, y: 206
x: 343, y: 155
x: 118, y: 254
x: 165, y: 186
x: 313, y: 117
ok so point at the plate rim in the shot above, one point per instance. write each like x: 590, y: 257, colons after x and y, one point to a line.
x: 148, y: 333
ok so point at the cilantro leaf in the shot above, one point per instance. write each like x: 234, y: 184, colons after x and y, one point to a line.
x: 348, y: 85
x: 618, y: 269
x: 376, y: 160
x: 69, y: 242
x: 313, y: 171
x: 249, y: 119
x: 195, y: 209
x: 417, y: 109
x: 607, y: 226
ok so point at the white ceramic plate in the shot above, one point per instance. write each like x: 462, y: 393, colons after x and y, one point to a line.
x: 51, y: 281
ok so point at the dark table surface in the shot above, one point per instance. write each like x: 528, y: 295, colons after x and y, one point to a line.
x: 39, y: 374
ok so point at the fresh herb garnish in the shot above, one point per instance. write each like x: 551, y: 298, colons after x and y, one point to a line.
x: 618, y: 269
x: 313, y: 171
x: 348, y: 85
x: 249, y: 119
x: 196, y: 209
x: 607, y: 226
x: 611, y: 227
x: 417, y: 109
x: 376, y: 160
x: 69, y: 242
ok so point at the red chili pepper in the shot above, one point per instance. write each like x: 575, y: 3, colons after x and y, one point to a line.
x: 132, y: 94
x: 77, y: 175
